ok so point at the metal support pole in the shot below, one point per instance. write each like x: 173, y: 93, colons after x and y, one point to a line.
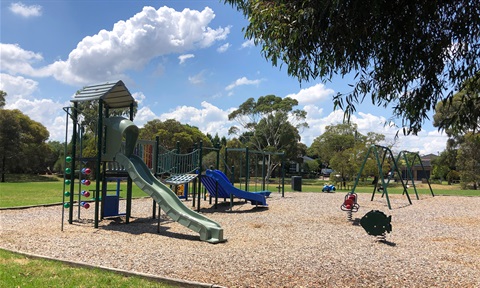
x: 199, y: 174
x: 72, y: 172
x: 99, y: 160
x: 247, y: 170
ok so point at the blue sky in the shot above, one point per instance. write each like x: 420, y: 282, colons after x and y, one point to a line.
x: 186, y: 60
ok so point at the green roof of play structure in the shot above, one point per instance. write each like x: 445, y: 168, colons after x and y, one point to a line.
x: 113, y: 94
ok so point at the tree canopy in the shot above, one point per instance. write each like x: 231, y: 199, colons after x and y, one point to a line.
x: 460, y: 119
x: 269, y: 123
x: 408, y: 54
x: 171, y: 131
x: 89, y: 114
x: 3, y: 94
x: 23, y: 145
x: 468, y: 158
x: 461, y: 114
x: 343, y: 149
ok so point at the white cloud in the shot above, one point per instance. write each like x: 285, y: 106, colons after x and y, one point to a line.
x: 312, y: 94
x: 17, y: 87
x: 248, y: 43
x: 184, y: 57
x: 130, y: 45
x: 366, y: 121
x: 144, y: 115
x: 223, y: 48
x: 198, y: 78
x: 242, y: 81
x: 16, y: 60
x: 313, y: 111
x: 209, y: 118
x: 26, y: 11
x: 425, y: 142
x: 139, y: 97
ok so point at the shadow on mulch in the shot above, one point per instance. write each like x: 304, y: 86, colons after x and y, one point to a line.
x: 225, y: 207
x: 139, y: 226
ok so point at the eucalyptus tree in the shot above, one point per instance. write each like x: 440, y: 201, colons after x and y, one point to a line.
x: 460, y: 119
x: 272, y: 124
x: 468, y: 160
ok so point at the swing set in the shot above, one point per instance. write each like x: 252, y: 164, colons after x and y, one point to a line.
x: 382, y: 153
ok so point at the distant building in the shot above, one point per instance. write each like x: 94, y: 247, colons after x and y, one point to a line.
x: 418, y: 172
x: 296, y: 167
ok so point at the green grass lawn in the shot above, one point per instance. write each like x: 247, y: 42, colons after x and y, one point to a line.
x: 18, y: 193
x: 17, y: 270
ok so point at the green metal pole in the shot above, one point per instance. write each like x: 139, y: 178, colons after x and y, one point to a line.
x: 226, y: 160
x: 128, y: 212
x: 247, y: 168
x: 283, y: 174
x: 104, y: 169
x: 199, y: 174
x: 195, y: 189
x: 99, y: 160
x: 361, y: 170
x: 380, y: 172
x: 410, y: 171
x: 157, y: 152
x: 401, y: 179
x: 428, y: 181
x: 217, y: 147
x: 218, y: 168
x: 263, y: 171
x: 72, y: 166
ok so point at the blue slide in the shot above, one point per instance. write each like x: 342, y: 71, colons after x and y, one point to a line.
x: 256, y: 198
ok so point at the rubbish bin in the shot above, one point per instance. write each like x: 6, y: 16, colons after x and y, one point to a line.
x: 297, y: 183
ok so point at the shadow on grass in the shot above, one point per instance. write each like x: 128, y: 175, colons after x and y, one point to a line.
x: 23, y: 178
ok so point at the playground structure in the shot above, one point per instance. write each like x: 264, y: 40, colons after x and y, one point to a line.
x: 120, y: 156
x: 125, y: 159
